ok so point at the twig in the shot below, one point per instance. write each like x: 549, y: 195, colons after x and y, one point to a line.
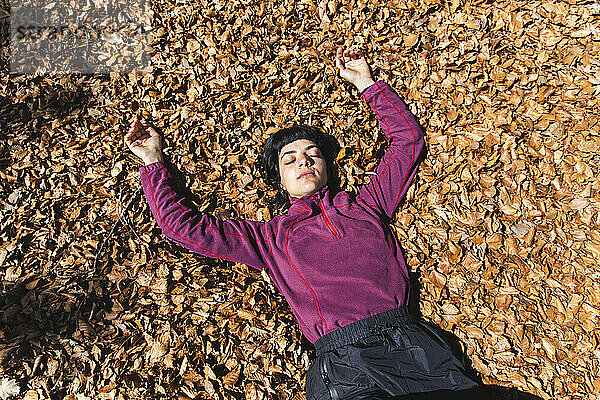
x: 127, y: 221
x: 93, y: 271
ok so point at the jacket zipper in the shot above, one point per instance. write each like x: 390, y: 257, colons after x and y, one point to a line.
x: 327, y: 222
x: 330, y: 386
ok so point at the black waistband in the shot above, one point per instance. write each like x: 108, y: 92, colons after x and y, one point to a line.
x: 361, y: 329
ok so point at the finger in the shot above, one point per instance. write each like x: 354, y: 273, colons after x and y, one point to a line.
x: 347, y: 55
x: 339, y: 63
x: 132, y: 142
x: 138, y: 126
x: 130, y: 136
x: 143, y: 132
x: 136, y: 131
x: 151, y: 131
x: 135, y: 124
x: 131, y: 129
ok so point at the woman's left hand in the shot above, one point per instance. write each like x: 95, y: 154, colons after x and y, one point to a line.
x: 354, y: 68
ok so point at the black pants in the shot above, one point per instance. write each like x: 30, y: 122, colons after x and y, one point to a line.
x: 388, y: 354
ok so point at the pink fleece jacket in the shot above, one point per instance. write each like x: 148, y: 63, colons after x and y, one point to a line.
x: 333, y: 256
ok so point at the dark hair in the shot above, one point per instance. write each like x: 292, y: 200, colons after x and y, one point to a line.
x: 328, y: 145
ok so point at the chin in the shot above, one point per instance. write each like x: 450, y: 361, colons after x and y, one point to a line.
x: 311, y: 188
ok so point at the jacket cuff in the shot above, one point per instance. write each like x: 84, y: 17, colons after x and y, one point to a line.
x: 367, y: 91
x: 151, y: 167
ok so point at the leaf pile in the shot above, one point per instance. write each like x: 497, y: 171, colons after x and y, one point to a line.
x: 502, y: 223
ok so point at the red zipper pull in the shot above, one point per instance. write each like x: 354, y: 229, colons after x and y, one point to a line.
x: 331, y: 228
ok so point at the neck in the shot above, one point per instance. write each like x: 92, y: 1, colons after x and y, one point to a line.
x: 320, y: 193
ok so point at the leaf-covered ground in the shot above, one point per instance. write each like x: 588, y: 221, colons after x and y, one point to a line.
x: 501, y: 225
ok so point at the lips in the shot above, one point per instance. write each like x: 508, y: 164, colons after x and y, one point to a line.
x: 306, y: 173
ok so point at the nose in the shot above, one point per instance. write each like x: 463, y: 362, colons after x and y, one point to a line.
x: 305, y: 159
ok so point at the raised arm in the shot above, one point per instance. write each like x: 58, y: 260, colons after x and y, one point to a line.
x: 239, y: 241
x: 398, y: 167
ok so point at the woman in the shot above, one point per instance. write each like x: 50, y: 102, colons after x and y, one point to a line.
x: 332, y: 255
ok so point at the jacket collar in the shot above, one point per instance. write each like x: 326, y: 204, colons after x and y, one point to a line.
x: 310, y: 201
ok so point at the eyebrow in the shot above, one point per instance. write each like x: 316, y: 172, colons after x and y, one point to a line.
x: 310, y: 146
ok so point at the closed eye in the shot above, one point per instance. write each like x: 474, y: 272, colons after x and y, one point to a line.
x: 291, y: 160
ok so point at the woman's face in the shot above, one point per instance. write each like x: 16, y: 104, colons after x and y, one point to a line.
x: 302, y: 168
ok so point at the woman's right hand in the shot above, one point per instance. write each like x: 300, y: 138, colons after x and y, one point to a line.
x: 144, y: 142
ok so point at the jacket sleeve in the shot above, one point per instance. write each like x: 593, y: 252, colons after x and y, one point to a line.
x: 238, y: 241
x: 398, y: 166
